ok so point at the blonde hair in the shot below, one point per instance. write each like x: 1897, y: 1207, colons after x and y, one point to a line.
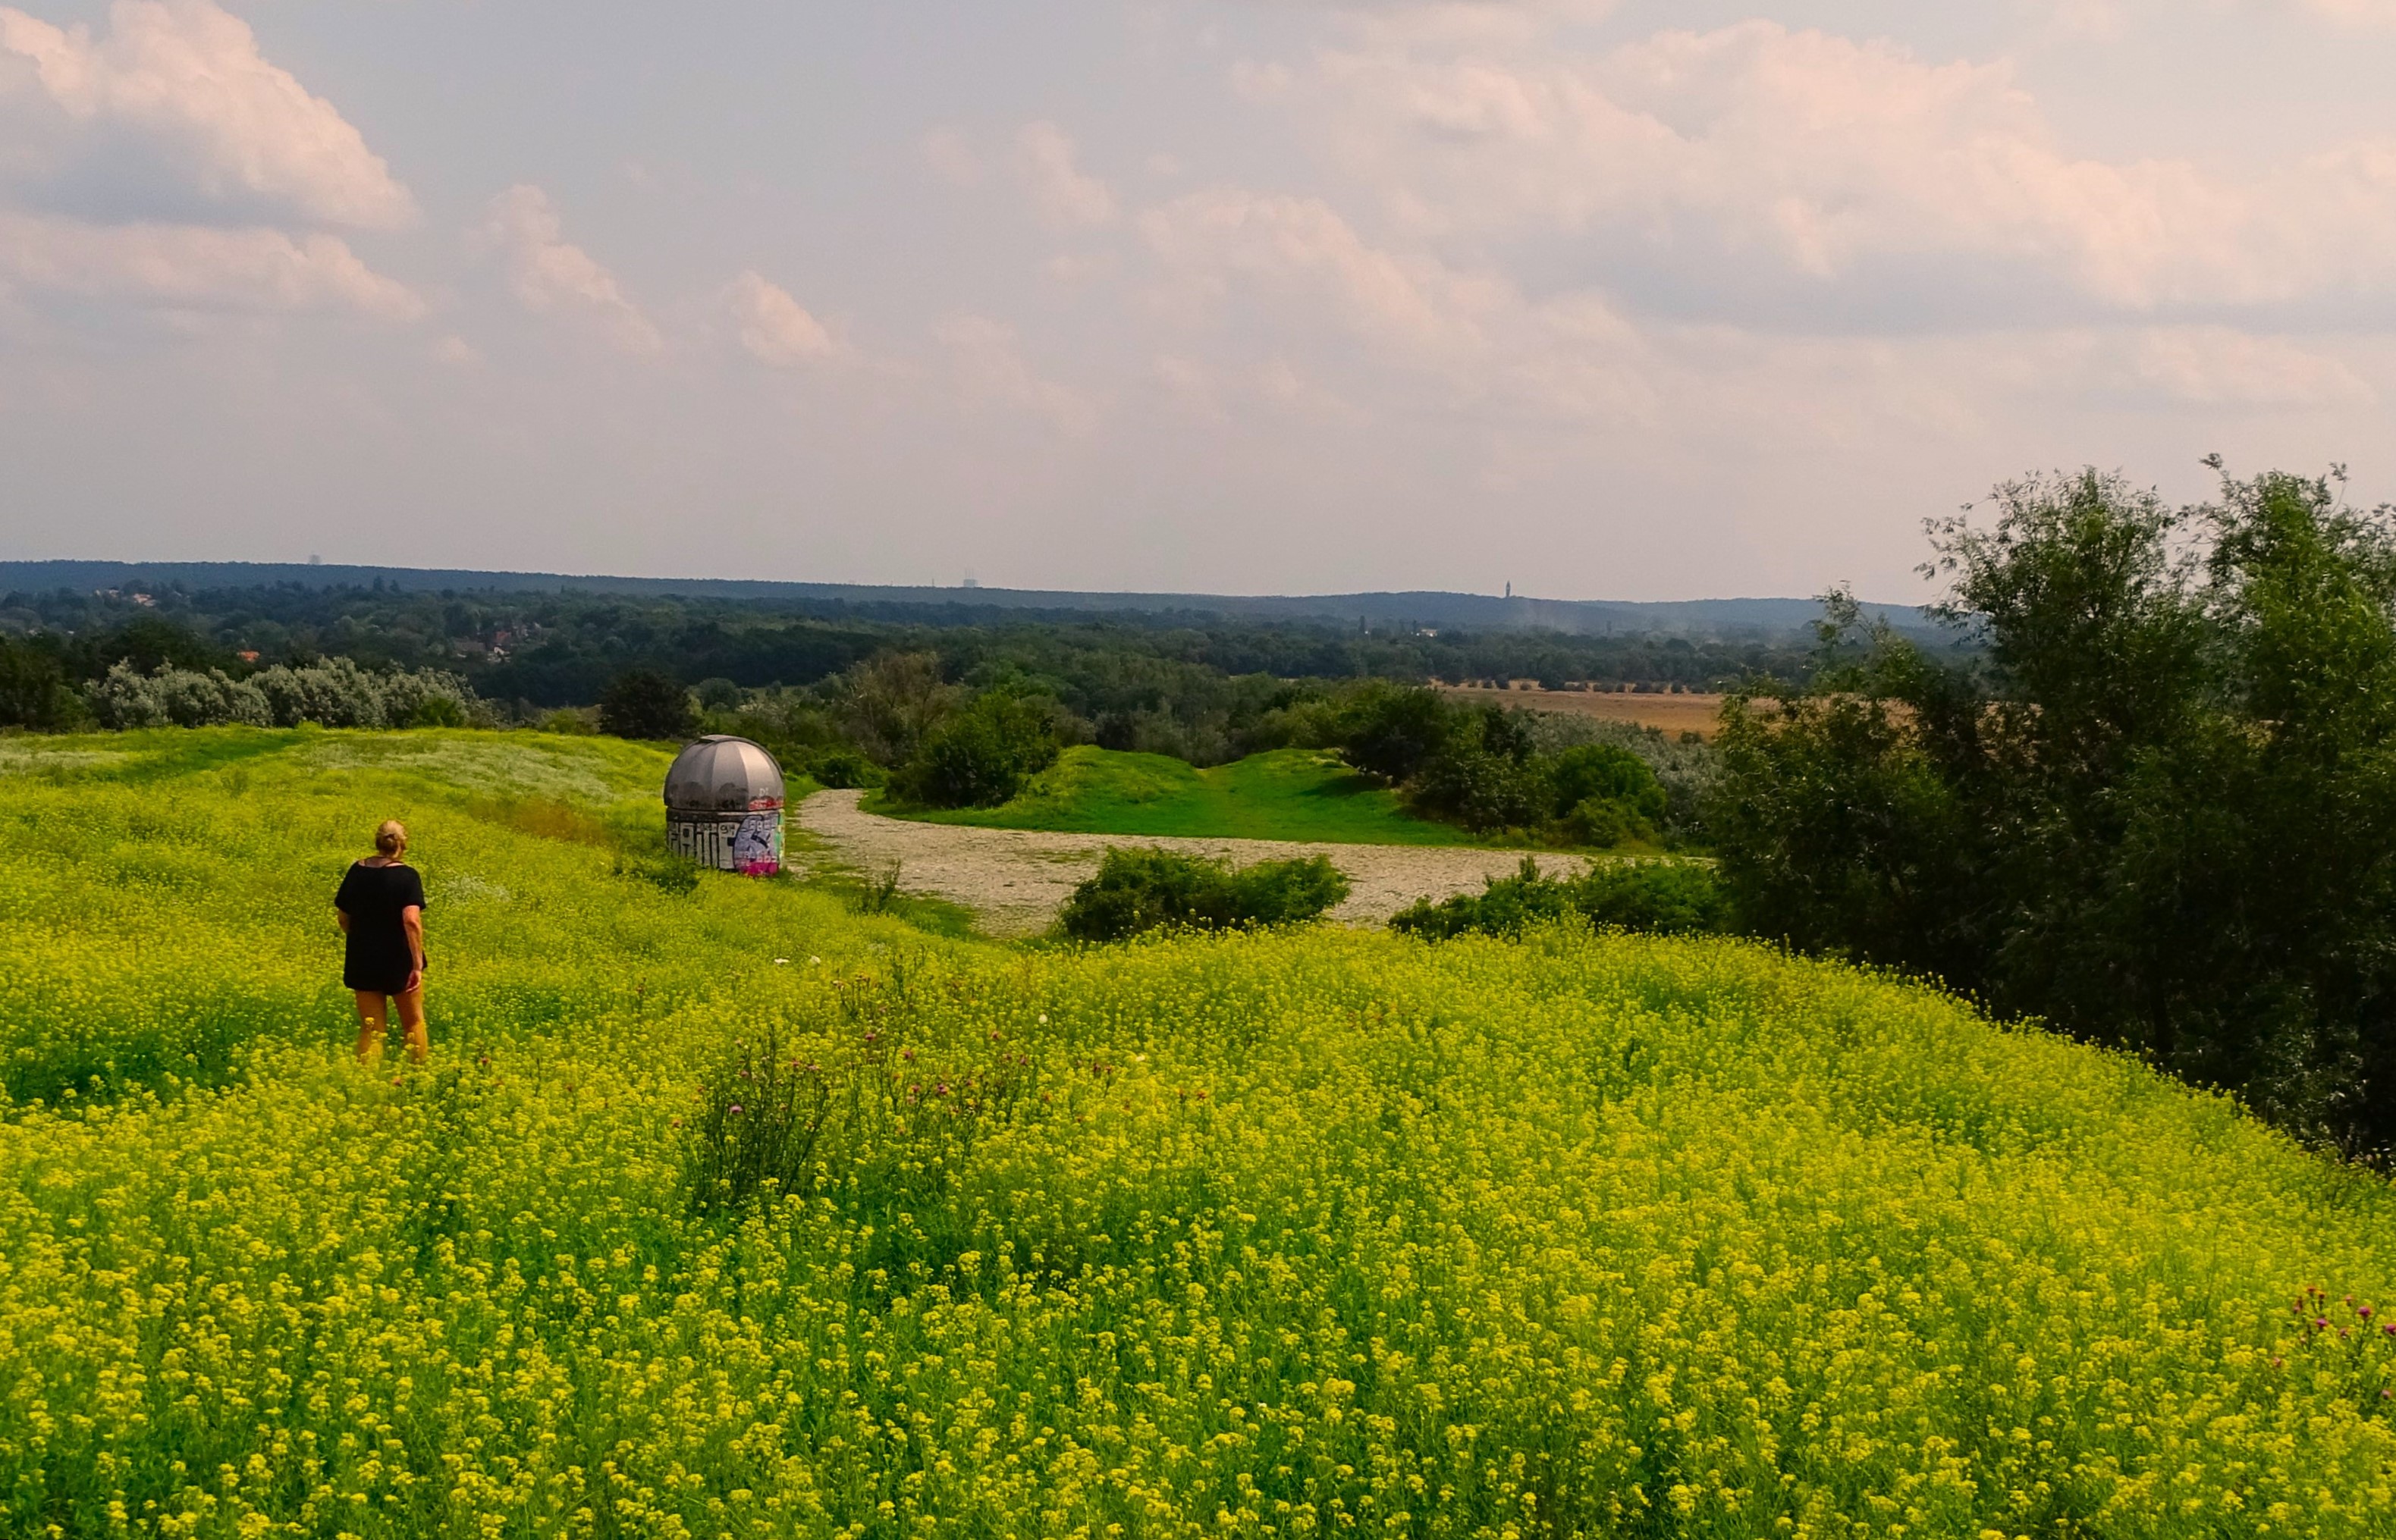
x: 392, y: 838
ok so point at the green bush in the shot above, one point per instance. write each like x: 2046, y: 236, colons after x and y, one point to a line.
x: 643, y: 703
x: 980, y: 756
x: 33, y: 688
x: 844, y: 769
x: 1140, y: 890
x: 1394, y: 731
x: 1660, y: 897
x: 1608, y: 774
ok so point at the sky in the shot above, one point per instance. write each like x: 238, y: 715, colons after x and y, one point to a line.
x: 1601, y: 300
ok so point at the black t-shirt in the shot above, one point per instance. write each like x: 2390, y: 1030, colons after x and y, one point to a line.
x: 372, y: 897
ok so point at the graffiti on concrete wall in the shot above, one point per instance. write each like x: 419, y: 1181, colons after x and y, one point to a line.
x: 747, y: 842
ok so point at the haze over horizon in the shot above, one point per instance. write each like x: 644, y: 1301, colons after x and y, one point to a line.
x: 1628, y: 301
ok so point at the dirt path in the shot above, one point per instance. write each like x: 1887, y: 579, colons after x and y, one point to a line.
x: 1017, y: 880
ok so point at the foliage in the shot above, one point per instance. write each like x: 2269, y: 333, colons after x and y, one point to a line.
x: 647, y: 704
x: 844, y: 769
x: 889, y: 704
x: 335, y: 693
x: 1587, y: 1234
x: 1395, y: 733
x: 1144, y: 889
x: 1502, y: 772
x: 1201, y: 686
x: 979, y: 756
x: 1295, y: 794
x: 1651, y: 896
x: 33, y: 688
x: 2161, y: 816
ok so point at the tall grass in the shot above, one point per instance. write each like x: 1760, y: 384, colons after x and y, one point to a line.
x: 1302, y: 1234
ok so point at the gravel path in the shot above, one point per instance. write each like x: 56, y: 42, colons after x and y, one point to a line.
x: 1017, y: 880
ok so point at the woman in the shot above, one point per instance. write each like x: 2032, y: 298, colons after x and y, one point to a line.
x: 382, y: 909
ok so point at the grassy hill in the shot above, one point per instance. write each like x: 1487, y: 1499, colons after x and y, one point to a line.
x: 1310, y: 1233
x: 1287, y: 794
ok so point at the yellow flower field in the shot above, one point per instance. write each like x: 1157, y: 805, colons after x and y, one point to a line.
x: 1317, y: 1233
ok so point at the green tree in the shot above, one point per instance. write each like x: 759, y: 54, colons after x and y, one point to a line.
x: 2162, y: 813
x: 982, y: 756
x: 645, y: 703
x: 33, y: 688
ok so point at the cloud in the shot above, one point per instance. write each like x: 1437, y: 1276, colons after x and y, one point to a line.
x: 552, y: 276
x: 775, y: 328
x: 2218, y: 367
x: 989, y: 367
x: 1753, y: 156
x: 193, y: 266
x: 175, y: 99
x: 1064, y: 195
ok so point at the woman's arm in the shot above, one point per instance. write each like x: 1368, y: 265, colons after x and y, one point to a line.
x: 341, y: 918
x: 411, y: 919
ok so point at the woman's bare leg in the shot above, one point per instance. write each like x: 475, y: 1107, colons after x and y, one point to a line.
x: 371, y: 1017
x: 411, y: 1021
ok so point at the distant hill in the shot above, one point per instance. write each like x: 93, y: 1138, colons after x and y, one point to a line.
x: 1471, y: 611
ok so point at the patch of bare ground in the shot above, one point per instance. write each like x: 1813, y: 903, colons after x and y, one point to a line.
x: 1015, y: 880
x: 1701, y: 714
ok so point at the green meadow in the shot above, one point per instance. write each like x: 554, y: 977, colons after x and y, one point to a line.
x: 1300, y: 794
x: 725, y: 1209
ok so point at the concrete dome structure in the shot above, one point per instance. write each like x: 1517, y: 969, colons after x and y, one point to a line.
x: 724, y: 805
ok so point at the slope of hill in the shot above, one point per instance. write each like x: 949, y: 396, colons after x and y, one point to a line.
x: 728, y: 1211
x: 1287, y: 794
x: 1476, y: 611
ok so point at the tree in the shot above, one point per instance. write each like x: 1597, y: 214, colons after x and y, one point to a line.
x: 33, y: 689
x: 890, y: 702
x: 644, y: 703
x: 1392, y: 731
x: 982, y: 756
x: 2162, y: 813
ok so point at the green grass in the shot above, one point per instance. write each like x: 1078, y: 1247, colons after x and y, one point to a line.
x: 1315, y: 1232
x: 1288, y: 794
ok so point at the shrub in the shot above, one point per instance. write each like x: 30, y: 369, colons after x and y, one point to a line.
x: 1603, y: 794
x: 335, y: 693
x: 1393, y: 731
x: 844, y: 769
x: 428, y: 698
x: 644, y: 703
x: 1140, y: 890
x: 1660, y: 897
x: 33, y: 689
x: 982, y: 755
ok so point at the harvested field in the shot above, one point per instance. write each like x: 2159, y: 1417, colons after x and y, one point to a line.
x: 1015, y: 880
x: 1673, y: 713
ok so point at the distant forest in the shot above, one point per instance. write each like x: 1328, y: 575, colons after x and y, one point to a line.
x: 540, y: 650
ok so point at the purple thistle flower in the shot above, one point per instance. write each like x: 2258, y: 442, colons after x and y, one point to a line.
x: 734, y: 1110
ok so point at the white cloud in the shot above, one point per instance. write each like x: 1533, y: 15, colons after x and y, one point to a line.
x: 1062, y: 193
x: 1754, y: 153
x: 2218, y: 367
x: 194, y: 266
x: 183, y: 81
x: 553, y: 276
x: 775, y: 328
x: 1302, y: 246
x: 989, y: 367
